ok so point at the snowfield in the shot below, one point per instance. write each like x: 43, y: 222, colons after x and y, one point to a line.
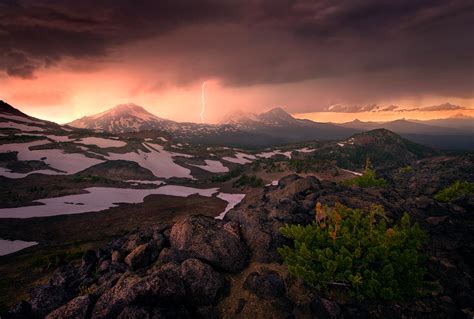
x: 20, y: 119
x: 101, y: 142
x: 11, y: 246
x: 352, y: 172
x: 158, y: 161
x: 231, y: 199
x: 67, y: 163
x: 306, y: 150
x: 273, y: 153
x: 100, y: 198
x: 21, y: 127
x: 273, y: 183
x: 212, y: 166
x: 240, y: 158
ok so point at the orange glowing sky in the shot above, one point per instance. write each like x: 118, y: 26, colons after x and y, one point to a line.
x: 62, y: 61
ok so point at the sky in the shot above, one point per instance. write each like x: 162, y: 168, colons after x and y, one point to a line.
x: 329, y: 60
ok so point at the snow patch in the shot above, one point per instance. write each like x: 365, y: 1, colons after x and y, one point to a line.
x: 101, y: 142
x: 213, y: 166
x: 21, y: 127
x: 97, y: 199
x: 240, y: 158
x: 10, y: 246
x: 306, y: 150
x: 273, y: 183
x: 273, y: 153
x: 158, y: 161
x: 68, y: 163
x: 20, y: 119
x: 352, y: 172
x: 231, y: 199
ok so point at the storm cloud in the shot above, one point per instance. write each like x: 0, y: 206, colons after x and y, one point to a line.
x: 387, y: 47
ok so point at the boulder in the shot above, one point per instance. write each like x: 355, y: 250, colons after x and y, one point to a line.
x: 218, y: 243
x: 89, y: 262
x: 166, y: 286
x: 134, y: 312
x: 128, y: 289
x: 202, y: 283
x: 266, y: 284
x: 60, y: 289
x: 143, y: 255
x: 77, y: 308
x: 325, y: 308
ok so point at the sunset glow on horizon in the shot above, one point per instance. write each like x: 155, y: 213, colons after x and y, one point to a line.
x: 65, y: 61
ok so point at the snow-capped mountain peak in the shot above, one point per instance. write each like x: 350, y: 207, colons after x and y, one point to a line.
x: 121, y: 118
x: 275, y: 116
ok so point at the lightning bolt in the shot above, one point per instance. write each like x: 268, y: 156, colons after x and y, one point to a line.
x: 203, y: 102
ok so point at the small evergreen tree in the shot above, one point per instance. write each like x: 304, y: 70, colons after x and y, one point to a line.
x: 455, y: 190
x: 357, y: 250
x: 368, y: 179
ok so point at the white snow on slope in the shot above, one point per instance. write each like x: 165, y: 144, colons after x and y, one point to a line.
x: 21, y: 127
x: 273, y: 153
x: 213, y: 166
x: 20, y: 119
x: 273, y: 183
x: 8, y: 173
x: 56, y: 138
x: 240, y: 158
x: 306, y: 150
x: 137, y: 182
x: 158, y: 161
x: 101, y: 142
x: 97, y: 199
x: 69, y: 163
x: 231, y: 199
x: 11, y: 246
x: 352, y: 172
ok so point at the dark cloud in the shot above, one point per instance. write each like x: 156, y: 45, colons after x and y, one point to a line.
x: 435, y: 108
x: 353, y: 108
x: 342, y: 108
x: 389, y: 108
x: 427, y: 43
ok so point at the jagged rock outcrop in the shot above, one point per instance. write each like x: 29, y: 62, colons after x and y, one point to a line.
x: 200, y: 267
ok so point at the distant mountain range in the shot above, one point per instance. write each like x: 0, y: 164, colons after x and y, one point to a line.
x: 449, y: 126
x: 239, y: 129
x: 450, y: 133
x: 274, y: 127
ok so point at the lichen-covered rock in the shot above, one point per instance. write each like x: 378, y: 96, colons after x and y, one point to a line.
x: 202, y: 283
x: 127, y: 290
x: 61, y: 288
x: 266, y: 284
x: 78, y: 308
x: 143, y: 255
x: 218, y: 243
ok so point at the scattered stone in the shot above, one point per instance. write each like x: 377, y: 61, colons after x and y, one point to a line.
x: 266, y: 284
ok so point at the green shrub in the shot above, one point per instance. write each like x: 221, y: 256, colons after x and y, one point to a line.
x: 455, y: 190
x: 368, y: 179
x: 228, y: 176
x: 245, y: 180
x: 356, y: 249
x: 406, y: 169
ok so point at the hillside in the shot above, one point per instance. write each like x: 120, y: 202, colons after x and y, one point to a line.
x: 382, y: 147
x: 450, y: 133
x: 200, y: 267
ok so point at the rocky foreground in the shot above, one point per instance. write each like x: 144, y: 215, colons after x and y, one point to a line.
x: 200, y: 267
